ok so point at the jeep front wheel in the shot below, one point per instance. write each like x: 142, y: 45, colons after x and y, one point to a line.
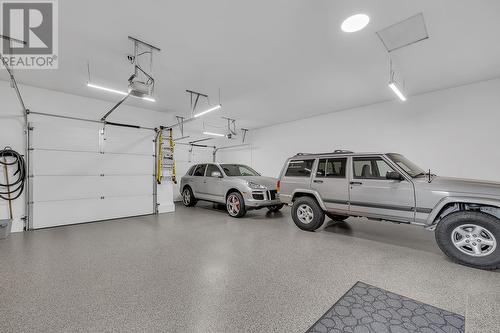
x: 307, y: 214
x: 470, y: 238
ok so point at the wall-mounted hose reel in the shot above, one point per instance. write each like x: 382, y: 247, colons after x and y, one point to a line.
x: 12, y: 163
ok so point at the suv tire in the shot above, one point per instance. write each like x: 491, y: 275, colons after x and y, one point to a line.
x: 470, y: 238
x: 336, y: 217
x: 307, y: 214
x: 188, y: 198
x: 235, y: 205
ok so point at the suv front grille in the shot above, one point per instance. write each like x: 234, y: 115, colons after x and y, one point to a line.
x: 272, y: 194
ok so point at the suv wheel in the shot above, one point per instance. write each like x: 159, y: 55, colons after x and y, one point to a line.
x: 307, y: 214
x: 235, y: 205
x: 470, y: 238
x: 275, y: 208
x: 188, y: 198
x: 336, y: 217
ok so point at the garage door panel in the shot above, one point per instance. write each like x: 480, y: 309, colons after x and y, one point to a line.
x: 57, y: 213
x: 64, y: 135
x: 128, y: 140
x: 117, y: 207
x: 120, y: 164
x: 50, y: 188
x: 126, y: 186
x: 65, y: 163
x: 83, y: 163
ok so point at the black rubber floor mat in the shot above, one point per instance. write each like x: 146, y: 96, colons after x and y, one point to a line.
x: 366, y: 308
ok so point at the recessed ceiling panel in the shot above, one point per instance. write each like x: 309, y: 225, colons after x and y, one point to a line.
x: 404, y: 33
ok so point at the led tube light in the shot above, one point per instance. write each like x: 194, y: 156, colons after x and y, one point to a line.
x: 119, y: 92
x: 396, y: 90
x: 217, y: 107
x: 213, y: 134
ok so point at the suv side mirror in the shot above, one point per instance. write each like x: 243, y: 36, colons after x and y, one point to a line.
x: 394, y: 175
x: 216, y: 174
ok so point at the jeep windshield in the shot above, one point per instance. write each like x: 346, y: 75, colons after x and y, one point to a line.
x: 238, y: 170
x: 411, y: 168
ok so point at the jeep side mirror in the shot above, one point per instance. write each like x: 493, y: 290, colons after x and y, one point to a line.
x: 394, y: 175
x: 216, y: 174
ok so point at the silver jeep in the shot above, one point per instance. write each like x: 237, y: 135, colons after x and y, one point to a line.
x: 465, y: 214
x: 237, y: 186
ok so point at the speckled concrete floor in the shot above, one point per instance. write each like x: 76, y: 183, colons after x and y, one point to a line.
x: 200, y: 271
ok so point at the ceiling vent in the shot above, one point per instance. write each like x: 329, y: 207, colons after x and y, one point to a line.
x: 404, y: 33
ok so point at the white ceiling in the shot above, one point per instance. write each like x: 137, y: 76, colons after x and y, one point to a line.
x: 274, y: 61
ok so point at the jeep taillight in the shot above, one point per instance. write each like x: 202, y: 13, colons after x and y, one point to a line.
x: 278, y: 185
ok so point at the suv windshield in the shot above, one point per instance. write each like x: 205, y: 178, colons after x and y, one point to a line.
x: 238, y: 170
x: 411, y: 168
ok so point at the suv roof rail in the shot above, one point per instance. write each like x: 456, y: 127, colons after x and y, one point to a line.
x: 336, y: 151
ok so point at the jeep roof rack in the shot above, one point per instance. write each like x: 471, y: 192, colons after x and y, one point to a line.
x: 336, y: 151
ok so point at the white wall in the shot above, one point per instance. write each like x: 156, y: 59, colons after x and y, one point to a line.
x: 47, y: 101
x: 455, y: 132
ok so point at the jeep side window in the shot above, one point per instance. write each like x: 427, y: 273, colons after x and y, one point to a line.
x: 321, y: 169
x: 299, y: 168
x: 331, y: 168
x: 200, y: 170
x: 370, y: 168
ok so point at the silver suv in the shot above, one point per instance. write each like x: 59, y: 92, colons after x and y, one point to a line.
x: 237, y: 186
x: 465, y: 214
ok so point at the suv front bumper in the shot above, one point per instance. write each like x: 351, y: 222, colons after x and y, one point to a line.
x: 261, y: 198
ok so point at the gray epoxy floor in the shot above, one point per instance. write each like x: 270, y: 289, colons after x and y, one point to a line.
x: 198, y: 270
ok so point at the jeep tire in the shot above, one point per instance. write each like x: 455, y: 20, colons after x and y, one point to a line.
x: 470, y: 238
x: 307, y: 214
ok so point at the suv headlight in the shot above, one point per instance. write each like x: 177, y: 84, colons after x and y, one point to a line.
x: 255, y: 186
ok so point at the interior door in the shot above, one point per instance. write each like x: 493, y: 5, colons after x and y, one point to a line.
x: 372, y: 194
x: 330, y: 180
x: 214, y: 186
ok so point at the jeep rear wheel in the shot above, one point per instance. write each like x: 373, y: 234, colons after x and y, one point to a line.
x: 470, y: 238
x: 307, y: 214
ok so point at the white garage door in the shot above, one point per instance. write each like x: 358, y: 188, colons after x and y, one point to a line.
x: 76, y: 181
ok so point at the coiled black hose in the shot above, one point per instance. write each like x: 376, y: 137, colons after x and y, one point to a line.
x: 10, y: 158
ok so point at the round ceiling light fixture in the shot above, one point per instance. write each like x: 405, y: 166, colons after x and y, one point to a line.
x: 355, y: 23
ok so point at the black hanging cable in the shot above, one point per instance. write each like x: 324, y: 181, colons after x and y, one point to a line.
x: 11, y: 159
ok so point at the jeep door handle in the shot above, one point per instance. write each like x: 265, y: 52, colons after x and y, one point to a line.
x: 356, y: 183
x: 318, y: 181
